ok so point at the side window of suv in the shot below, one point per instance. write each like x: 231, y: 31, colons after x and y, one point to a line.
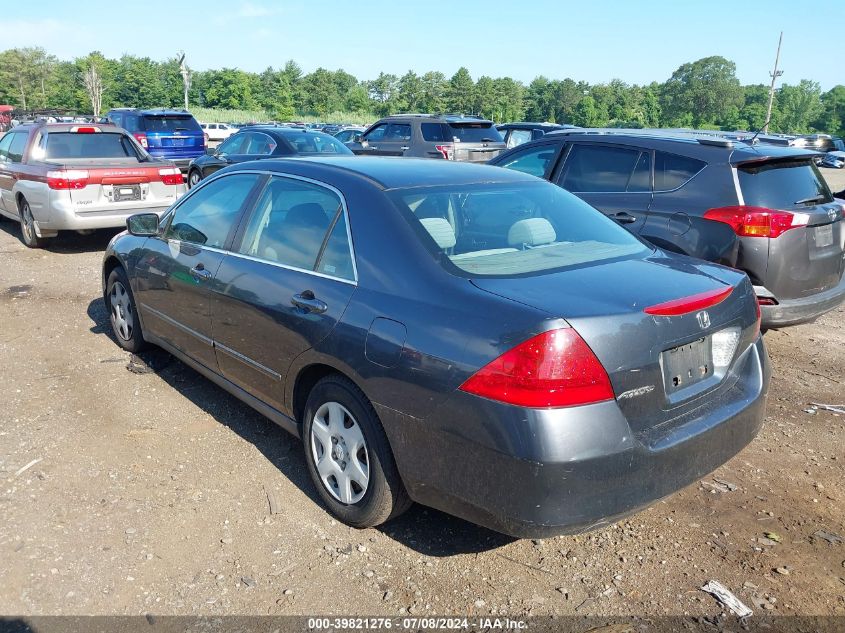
x: 4, y: 146
x: 17, y: 147
x: 398, y: 132
x: 377, y: 133
x: 436, y: 133
x: 600, y: 169
x: 672, y: 171
x: 535, y: 161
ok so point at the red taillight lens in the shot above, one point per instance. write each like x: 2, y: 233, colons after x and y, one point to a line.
x: 67, y: 179
x: 170, y: 176
x: 448, y: 151
x: 553, y: 369
x: 141, y: 138
x: 85, y: 130
x: 757, y: 221
x: 692, y: 303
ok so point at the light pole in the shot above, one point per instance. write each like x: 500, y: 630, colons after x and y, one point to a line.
x: 186, y: 76
x: 775, y: 74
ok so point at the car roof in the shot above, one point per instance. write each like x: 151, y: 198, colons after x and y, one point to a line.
x: 448, y: 118
x: 65, y: 127
x: 534, y: 124
x: 154, y: 111
x: 392, y: 173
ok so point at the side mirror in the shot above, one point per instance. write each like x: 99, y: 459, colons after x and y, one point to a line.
x: 143, y: 224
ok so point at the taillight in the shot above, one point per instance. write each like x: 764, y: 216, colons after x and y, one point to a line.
x: 692, y: 303
x: 67, y: 179
x: 553, y: 369
x: 141, y: 138
x: 85, y: 130
x: 448, y: 151
x: 170, y: 176
x: 757, y: 221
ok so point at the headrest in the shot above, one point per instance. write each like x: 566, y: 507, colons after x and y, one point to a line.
x: 531, y: 232
x: 440, y: 230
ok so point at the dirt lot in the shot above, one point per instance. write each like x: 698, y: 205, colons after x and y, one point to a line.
x: 130, y: 494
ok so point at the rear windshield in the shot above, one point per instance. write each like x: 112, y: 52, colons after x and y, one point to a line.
x: 783, y: 185
x: 312, y: 143
x: 170, y: 123
x: 503, y: 230
x: 71, y: 145
x: 475, y: 133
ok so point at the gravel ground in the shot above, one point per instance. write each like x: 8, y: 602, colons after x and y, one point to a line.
x: 125, y: 493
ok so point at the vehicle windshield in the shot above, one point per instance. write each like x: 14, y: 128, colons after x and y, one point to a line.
x: 70, y: 145
x: 315, y: 143
x: 475, y: 133
x: 502, y: 230
x: 783, y: 184
x: 171, y: 123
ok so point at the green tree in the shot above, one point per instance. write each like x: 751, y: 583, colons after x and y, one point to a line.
x: 832, y: 117
x: 460, y: 94
x: 509, y: 99
x: 410, y: 92
x: 484, y: 95
x: 434, y: 87
x: 702, y: 91
x: 26, y: 75
x: 137, y: 83
x: 799, y: 106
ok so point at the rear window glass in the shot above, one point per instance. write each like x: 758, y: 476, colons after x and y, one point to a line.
x: 504, y: 230
x: 672, y: 171
x: 102, y: 145
x: 311, y: 143
x: 171, y: 124
x: 783, y: 185
x: 475, y: 133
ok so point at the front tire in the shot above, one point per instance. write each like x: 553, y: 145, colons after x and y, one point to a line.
x: 194, y: 178
x: 123, y: 315
x: 348, y: 455
x: 28, y: 235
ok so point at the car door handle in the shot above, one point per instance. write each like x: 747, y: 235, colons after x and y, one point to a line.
x: 371, y: 147
x: 199, y: 273
x: 624, y: 218
x: 404, y: 148
x: 308, y: 302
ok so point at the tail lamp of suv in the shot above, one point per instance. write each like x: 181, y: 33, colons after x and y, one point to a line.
x: 553, y: 369
x: 757, y: 221
x: 141, y: 137
x: 67, y: 179
x: 448, y: 151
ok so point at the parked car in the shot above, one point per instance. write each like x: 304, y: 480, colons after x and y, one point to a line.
x: 169, y: 134
x: 62, y: 176
x: 763, y: 209
x: 264, y: 142
x: 457, y: 335
x: 348, y: 134
x: 217, y: 131
x: 453, y: 137
x: 518, y: 133
x: 834, y: 159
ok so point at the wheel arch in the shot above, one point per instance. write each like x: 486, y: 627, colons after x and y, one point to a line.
x: 306, y: 378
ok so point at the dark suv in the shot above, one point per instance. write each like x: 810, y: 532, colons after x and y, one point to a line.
x: 515, y: 134
x: 453, y: 137
x: 170, y: 134
x: 760, y: 208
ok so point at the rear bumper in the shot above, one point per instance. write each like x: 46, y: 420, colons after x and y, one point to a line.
x: 795, y: 311
x: 537, y: 473
x: 55, y: 218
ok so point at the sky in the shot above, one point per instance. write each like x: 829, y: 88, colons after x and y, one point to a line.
x: 637, y: 41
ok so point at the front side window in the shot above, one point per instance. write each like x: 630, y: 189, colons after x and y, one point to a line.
x: 398, y: 132
x: 535, y: 161
x: 233, y: 145
x: 505, y: 229
x: 599, y: 168
x: 207, y: 216
x: 290, y: 225
x: 377, y: 133
x: 518, y: 137
x: 316, y: 143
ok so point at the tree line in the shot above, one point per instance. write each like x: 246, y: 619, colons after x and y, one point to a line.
x: 703, y: 94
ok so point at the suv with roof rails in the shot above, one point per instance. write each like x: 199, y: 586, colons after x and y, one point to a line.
x: 445, y: 136
x: 760, y: 208
x: 521, y: 132
x: 173, y: 135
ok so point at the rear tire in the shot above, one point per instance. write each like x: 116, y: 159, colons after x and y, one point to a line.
x: 28, y: 235
x: 123, y: 315
x: 356, y: 477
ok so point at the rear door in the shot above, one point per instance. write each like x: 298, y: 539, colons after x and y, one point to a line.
x: 6, y: 175
x: 175, y: 271
x: 809, y: 256
x: 285, y: 288
x: 615, y: 179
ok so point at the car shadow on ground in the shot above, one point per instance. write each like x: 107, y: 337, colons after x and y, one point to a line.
x: 425, y: 530
x: 66, y: 242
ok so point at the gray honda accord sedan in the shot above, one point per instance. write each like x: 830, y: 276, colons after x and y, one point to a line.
x: 470, y: 338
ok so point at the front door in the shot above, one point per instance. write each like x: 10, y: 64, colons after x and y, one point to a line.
x: 175, y: 270
x: 285, y: 288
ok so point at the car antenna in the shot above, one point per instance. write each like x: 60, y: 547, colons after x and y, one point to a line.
x: 757, y: 133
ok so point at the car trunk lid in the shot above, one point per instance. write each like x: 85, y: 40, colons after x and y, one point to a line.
x: 476, y: 141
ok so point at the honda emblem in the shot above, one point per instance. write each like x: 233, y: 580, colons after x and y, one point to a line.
x: 703, y: 319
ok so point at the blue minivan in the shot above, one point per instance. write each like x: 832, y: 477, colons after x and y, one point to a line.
x: 171, y: 134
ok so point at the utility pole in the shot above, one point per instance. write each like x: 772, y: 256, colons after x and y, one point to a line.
x: 775, y: 74
x: 186, y: 76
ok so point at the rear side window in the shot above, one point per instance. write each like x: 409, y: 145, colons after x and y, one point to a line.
x: 170, y: 123
x: 598, y: 168
x: 316, y: 143
x: 518, y: 137
x: 290, y: 225
x: 504, y: 230
x: 71, y: 145
x: 535, y: 161
x: 475, y: 133
x: 672, y: 171
x: 783, y: 184
x: 207, y: 216
x: 436, y: 132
